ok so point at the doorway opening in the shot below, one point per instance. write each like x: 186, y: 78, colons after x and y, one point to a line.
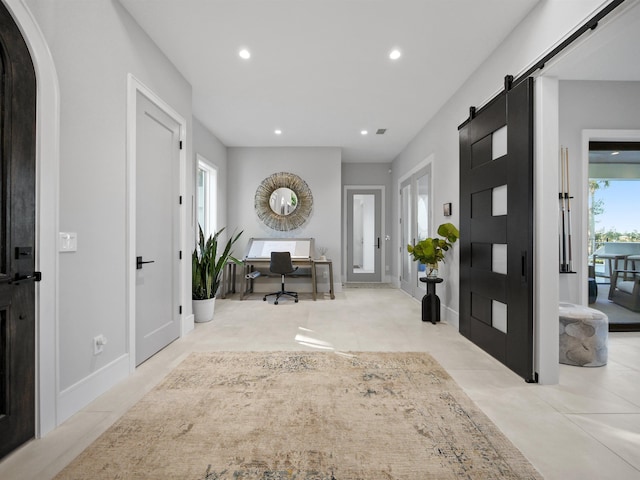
x: 614, y: 232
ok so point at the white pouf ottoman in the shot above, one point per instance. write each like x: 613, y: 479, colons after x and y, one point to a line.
x: 584, y: 334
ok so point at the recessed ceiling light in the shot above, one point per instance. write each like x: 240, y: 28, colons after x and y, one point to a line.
x: 615, y: 153
x: 395, y: 54
x: 244, y: 53
x: 363, y: 132
x: 278, y: 132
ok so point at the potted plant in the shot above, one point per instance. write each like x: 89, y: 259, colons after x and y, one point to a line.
x: 206, y: 272
x: 430, y: 251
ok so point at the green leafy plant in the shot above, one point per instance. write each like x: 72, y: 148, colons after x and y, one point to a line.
x: 430, y: 251
x: 206, y: 269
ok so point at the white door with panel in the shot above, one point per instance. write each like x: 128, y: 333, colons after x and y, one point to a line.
x: 157, y: 321
x: 415, y: 225
x: 364, y: 242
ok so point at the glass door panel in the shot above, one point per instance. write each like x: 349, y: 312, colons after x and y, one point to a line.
x: 364, y: 214
x: 415, y: 213
x: 406, y: 236
x: 364, y: 236
x: 422, y: 216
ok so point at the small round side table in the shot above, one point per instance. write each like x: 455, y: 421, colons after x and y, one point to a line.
x: 431, y: 302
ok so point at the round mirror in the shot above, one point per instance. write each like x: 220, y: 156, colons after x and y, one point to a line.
x: 283, y: 201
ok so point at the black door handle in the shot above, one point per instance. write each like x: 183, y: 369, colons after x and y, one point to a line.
x: 18, y: 279
x: 139, y: 263
x: 378, y: 242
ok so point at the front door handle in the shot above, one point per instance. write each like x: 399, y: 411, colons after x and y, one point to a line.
x: 139, y: 262
x: 18, y: 279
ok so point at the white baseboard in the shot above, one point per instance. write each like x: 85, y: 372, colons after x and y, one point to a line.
x: 77, y: 396
x: 188, y: 324
x: 451, y: 316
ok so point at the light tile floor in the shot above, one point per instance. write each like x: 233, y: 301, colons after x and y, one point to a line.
x: 587, y: 427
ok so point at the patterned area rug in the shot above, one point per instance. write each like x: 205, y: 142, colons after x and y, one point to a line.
x: 303, y: 416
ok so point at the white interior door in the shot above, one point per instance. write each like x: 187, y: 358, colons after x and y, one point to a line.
x: 364, y: 236
x: 157, y: 321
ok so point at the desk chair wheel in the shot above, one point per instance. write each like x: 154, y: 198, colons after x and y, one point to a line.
x: 264, y: 299
x: 296, y: 300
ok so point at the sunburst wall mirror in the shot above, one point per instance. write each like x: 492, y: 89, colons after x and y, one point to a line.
x: 283, y: 201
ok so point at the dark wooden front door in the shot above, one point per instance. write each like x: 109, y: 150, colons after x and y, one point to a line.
x: 17, y: 237
x: 496, y: 229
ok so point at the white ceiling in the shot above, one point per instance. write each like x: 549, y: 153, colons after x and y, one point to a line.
x: 610, y: 52
x: 320, y: 70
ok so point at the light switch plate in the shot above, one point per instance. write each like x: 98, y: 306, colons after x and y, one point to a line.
x: 68, y: 241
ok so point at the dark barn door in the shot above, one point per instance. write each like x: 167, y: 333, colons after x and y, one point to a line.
x: 17, y: 237
x: 496, y: 229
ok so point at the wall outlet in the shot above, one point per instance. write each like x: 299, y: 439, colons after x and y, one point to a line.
x: 98, y: 344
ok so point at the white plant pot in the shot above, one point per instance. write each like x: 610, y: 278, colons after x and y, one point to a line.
x: 203, y: 310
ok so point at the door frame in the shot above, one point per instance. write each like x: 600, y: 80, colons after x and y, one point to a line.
x: 428, y: 162
x: 135, y: 86
x: 383, y: 261
x: 603, y: 135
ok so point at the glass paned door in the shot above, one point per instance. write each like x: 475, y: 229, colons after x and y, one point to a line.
x: 406, y: 237
x: 364, y: 242
x: 415, y: 225
x: 423, y: 187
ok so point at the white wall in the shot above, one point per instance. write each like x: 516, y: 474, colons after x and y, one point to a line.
x: 95, y: 44
x: 546, y: 26
x: 589, y: 105
x: 320, y: 167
